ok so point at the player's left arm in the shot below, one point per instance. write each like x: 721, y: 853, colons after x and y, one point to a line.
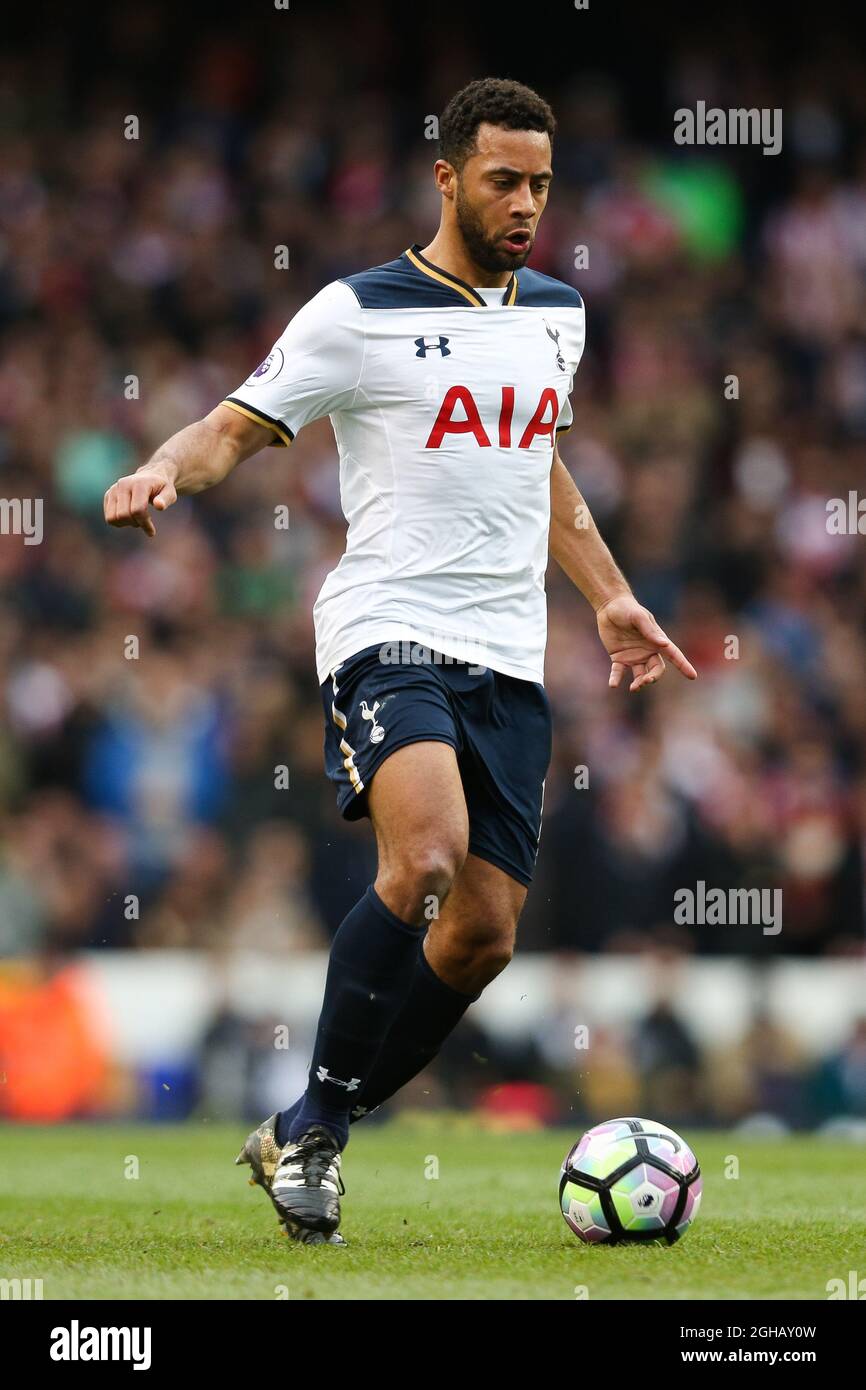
x: 629, y: 632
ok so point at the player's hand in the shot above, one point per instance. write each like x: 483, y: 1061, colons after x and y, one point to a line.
x: 633, y: 639
x: 127, y: 501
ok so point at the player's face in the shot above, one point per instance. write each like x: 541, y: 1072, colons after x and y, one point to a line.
x: 500, y: 195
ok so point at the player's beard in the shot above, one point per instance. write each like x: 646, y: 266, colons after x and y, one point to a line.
x: 484, y: 251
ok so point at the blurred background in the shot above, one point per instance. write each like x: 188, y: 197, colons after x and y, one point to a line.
x: 166, y: 900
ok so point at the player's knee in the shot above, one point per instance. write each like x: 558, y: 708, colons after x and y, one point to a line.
x: 439, y: 863
x: 432, y: 871
x: 420, y: 879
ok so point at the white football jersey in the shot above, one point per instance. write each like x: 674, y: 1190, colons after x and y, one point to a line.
x: 445, y: 407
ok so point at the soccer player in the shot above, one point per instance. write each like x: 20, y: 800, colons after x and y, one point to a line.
x: 446, y: 374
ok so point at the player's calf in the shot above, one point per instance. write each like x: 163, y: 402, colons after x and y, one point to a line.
x: 472, y: 941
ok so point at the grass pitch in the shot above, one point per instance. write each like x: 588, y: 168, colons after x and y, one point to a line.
x: 488, y: 1227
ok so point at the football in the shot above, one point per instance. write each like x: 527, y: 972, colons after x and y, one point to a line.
x: 630, y: 1180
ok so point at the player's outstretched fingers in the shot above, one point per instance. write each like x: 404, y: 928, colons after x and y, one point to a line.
x: 680, y: 660
x: 655, y: 669
x: 617, y: 671
x: 139, y: 503
x: 650, y: 629
x: 638, y: 672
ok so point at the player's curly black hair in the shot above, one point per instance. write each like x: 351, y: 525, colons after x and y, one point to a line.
x: 497, y: 100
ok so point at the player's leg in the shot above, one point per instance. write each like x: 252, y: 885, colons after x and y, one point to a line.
x: 419, y: 814
x: 472, y: 940
x: 501, y: 730
x: 467, y: 945
x: 505, y: 731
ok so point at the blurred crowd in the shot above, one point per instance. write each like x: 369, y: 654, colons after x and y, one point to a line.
x: 161, y: 773
x: 97, y: 1036
x: 768, y: 1080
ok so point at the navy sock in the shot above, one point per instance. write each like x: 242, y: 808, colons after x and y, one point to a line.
x: 432, y: 1010
x: 373, y: 959
x: 284, y: 1120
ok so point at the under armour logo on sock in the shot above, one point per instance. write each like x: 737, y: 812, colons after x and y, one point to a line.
x: 323, y: 1075
x: 359, y: 1111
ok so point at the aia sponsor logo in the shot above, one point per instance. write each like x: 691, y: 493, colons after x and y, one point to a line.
x: 459, y: 414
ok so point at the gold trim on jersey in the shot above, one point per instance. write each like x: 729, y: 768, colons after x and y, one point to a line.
x: 283, y: 436
x: 455, y: 283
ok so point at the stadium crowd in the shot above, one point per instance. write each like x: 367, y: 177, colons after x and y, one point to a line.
x: 160, y: 752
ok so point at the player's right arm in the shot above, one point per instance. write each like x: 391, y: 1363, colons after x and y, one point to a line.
x: 195, y: 458
x: 312, y: 370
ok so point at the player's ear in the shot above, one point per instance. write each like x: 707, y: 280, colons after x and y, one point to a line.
x: 445, y: 175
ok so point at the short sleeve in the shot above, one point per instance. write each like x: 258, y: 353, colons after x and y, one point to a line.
x: 312, y: 370
x: 565, y: 419
x: 575, y: 324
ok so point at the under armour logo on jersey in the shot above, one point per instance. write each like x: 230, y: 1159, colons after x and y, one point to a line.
x: 425, y: 345
x: 377, y: 733
x: 554, y: 335
x: 323, y: 1074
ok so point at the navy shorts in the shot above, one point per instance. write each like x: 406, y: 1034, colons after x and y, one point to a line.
x: 499, y: 727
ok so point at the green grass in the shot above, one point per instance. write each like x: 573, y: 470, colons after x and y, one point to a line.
x: 488, y: 1227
